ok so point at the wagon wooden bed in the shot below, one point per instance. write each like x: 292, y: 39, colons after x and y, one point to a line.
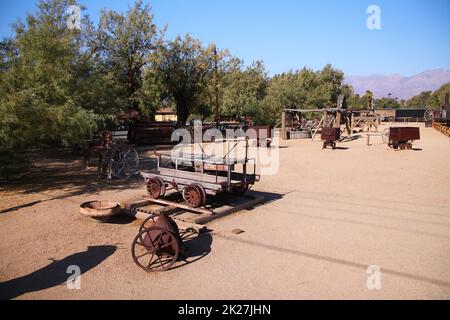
x: 208, y: 175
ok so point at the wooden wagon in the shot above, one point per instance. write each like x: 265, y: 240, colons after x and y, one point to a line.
x: 204, y: 175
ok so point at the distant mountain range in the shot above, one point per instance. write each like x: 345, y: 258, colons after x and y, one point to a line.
x: 399, y: 86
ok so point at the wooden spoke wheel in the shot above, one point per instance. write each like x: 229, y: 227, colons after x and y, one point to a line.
x: 202, y: 193
x: 153, y: 188
x: 331, y: 144
x: 192, y: 196
x: 155, y: 249
x: 241, y: 189
x: 162, y: 186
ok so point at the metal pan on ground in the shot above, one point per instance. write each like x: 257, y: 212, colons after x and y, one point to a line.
x: 100, y: 210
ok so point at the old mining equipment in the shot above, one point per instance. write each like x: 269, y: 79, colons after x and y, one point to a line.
x: 330, y: 136
x: 159, y: 243
x: 216, y: 175
x: 402, y: 137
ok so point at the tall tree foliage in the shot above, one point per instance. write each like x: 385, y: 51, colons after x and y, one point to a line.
x: 303, y: 89
x: 124, y: 43
x: 40, y: 86
x: 58, y: 85
x: 184, y: 68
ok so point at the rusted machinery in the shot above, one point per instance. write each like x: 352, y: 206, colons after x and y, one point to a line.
x: 204, y: 175
x: 159, y: 243
x: 330, y: 136
x: 117, y: 158
x: 292, y: 119
x: 402, y: 137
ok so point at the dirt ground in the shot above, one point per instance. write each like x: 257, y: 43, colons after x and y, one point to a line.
x: 331, y: 215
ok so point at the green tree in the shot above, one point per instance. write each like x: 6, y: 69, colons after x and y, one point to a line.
x: 437, y: 98
x: 40, y: 85
x: 124, y: 44
x: 243, y: 89
x: 386, y: 103
x: 304, y: 89
x: 420, y: 100
x: 184, y: 68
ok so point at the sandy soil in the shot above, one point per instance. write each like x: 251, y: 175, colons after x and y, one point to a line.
x: 331, y: 215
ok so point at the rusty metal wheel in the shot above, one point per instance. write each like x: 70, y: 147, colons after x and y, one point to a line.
x: 155, y: 249
x: 153, y: 188
x: 147, y: 223
x: 202, y: 193
x: 192, y: 196
x: 162, y: 186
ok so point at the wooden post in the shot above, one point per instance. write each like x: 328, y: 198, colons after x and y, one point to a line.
x: 337, y: 120
x: 283, y: 125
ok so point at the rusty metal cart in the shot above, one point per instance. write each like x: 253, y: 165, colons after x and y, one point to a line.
x: 159, y: 243
x: 216, y: 175
x: 402, y: 137
x: 330, y: 136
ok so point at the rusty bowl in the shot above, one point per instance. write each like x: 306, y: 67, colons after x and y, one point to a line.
x: 100, y: 210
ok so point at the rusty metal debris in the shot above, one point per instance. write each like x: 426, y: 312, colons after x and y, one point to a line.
x: 117, y: 158
x: 402, y: 137
x: 100, y: 210
x: 159, y: 243
x: 330, y: 136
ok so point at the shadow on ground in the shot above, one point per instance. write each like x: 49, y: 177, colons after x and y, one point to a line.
x: 198, y: 246
x: 56, y: 272
x: 65, y: 174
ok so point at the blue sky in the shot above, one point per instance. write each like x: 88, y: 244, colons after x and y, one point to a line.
x: 290, y: 34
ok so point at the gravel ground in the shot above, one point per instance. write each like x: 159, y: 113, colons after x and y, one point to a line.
x: 331, y: 215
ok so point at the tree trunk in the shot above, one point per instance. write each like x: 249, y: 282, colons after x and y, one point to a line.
x: 182, y: 113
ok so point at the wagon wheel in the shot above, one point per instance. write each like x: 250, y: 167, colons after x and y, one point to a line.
x: 147, y: 223
x: 241, y: 189
x: 385, y: 135
x: 428, y: 115
x: 408, y: 144
x: 192, y: 196
x: 202, y: 193
x: 153, y: 188
x: 162, y: 186
x: 155, y: 249
x: 124, y: 161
